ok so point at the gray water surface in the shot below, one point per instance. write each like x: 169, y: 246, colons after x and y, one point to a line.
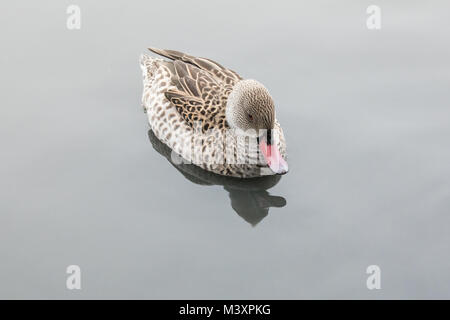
x: 367, y: 121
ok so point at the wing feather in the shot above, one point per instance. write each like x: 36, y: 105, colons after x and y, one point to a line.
x: 203, y: 88
x: 225, y: 74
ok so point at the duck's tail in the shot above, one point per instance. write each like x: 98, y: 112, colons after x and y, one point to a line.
x: 148, y: 67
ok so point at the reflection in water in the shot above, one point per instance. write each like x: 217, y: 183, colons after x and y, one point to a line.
x: 249, y: 197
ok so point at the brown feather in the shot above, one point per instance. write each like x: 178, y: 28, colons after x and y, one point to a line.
x: 203, y: 88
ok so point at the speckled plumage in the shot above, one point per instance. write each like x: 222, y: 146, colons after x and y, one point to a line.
x: 185, y: 101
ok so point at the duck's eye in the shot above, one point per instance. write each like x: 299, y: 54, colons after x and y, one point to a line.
x: 250, y: 117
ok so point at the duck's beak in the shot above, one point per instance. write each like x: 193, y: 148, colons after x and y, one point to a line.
x: 272, y: 155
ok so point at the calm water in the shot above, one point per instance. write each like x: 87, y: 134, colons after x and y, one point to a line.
x: 367, y: 120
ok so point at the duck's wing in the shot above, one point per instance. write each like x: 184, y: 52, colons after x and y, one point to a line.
x: 226, y: 75
x: 203, y: 87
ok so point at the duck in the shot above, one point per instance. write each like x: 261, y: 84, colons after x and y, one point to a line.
x: 211, y: 117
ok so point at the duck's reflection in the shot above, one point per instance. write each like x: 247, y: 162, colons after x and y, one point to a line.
x: 249, y: 197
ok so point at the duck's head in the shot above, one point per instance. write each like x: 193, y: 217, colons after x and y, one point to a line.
x: 251, y: 108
